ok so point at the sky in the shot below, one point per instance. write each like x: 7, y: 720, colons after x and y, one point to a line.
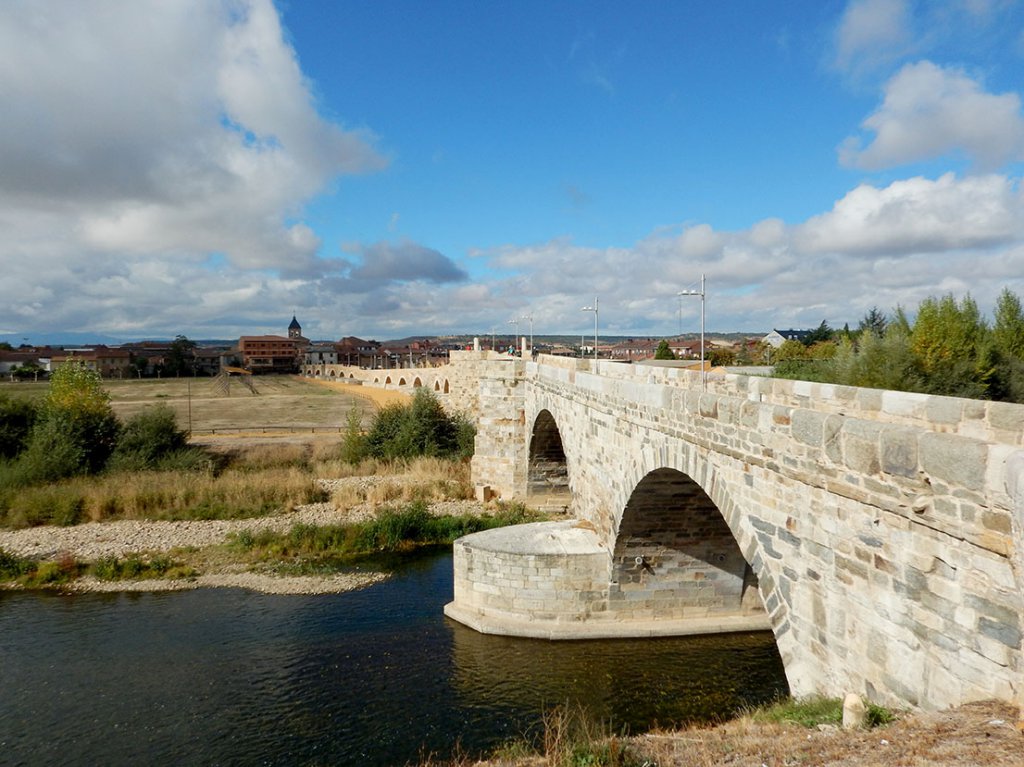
x: 394, y: 168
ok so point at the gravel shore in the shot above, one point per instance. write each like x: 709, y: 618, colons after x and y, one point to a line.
x: 94, y: 540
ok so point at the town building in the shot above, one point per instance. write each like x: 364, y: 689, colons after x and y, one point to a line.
x: 108, y: 362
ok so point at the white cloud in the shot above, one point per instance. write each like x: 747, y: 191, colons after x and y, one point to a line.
x: 877, y: 246
x: 931, y: 111
x: 917, y: 215
x: 872, y: 34
x: 163, y: 129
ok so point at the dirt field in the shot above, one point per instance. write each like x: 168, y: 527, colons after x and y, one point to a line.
x: 280, y: 402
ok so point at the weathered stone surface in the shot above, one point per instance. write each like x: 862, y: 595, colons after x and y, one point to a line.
x: 855, y: 713
x: 954, y: 460
x: 877, y: 528
x: 899, y: 452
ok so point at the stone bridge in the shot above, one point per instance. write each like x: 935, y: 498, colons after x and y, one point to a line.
x: 877, y: 534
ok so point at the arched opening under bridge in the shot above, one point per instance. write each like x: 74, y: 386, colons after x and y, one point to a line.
x: 675, y: 554
x: 548, y: 472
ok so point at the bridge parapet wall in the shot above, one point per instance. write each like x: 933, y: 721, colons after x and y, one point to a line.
x: 987, y: 421
x: 457, y: 384
x: 880, y: 525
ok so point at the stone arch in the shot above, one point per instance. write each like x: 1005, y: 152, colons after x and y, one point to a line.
x: 376, y: 379
x: 675, y: 553
x: 547, y: 483
x: 333, y: 374
x: 445, y: 386
x: 417, y: 383
x: 437, y: 386
x: 401, y: 382
x: 350, y: 375
x: 387, y: 381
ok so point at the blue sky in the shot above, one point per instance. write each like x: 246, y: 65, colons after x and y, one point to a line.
x: 384, y: 169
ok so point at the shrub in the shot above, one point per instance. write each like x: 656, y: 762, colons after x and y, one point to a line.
x: 147, y: 438
x: 419, y: 428
x: 16, y: 419
x: 353, y: 441
x: 13, y: 567
x: 75, y: 431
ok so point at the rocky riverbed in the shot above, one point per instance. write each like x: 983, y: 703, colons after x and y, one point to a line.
x: 95, y: 540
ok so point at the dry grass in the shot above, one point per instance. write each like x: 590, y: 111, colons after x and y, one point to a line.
x: 178, y: 495
x: 282, y: 402
x: 379, y: 397
x: 975, y: 734
x: 422, y: 479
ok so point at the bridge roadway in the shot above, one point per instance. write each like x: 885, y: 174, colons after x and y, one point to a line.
x: 877, y: 534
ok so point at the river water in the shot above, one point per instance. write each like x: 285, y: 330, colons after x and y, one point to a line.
x: 372, y: 677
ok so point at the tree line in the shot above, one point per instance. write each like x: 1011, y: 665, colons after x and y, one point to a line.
x: 950, y: 349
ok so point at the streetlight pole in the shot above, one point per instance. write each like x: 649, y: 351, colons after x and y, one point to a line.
x: 530, y: 318
x: 516, y: 323
x: 593, y: 309
x: 703, y: 372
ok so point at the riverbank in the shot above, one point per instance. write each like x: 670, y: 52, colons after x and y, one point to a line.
x: 199, y: 544
x: 982, y: 734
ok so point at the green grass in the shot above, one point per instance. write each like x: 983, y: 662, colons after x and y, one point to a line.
x: 136, y: 567
x: 321, y: 548
x: 31, y: 574
x: 810, y: 712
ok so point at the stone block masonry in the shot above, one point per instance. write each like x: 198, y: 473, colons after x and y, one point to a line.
x: 877, y: 533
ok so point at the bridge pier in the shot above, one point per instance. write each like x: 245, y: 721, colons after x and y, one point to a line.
x: 499, y: 461
x: 550, y: 580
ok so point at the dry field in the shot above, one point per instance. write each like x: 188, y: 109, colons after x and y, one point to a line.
x: 280, y: 402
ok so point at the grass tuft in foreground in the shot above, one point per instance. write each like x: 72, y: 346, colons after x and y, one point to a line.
x: 810, y: 712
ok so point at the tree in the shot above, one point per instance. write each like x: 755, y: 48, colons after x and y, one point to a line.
x: 1008, y: 331
x: 180, y: 357
x: 821, y: 333
x: 946, y: 332
x: 874, y: 322
x: 664, y: 351
x: 719, y: 357
x: 76, y: 429
x: 790, y: 350
x: 28, y: 369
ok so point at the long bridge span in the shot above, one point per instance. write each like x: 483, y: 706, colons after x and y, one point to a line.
x: 877, y: 534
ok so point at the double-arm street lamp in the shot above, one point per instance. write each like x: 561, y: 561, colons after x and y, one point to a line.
x: 593, y: 309
x: 516, y: 323
x: 529, y: 317
x: 703, y: 373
